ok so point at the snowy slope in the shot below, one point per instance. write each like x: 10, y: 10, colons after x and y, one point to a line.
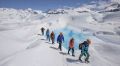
x: 21, y: 43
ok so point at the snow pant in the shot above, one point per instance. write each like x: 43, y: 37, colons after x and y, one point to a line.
x: 60, y: 46
x: 72, y: 50
x: 86, y: 54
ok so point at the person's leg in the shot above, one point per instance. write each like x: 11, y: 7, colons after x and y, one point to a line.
x: 60, y: 46
x: 49, y: 38
x: 85, y: 54
x: 43, y: 32
x: 81, y: 56
x: 73, y: 52
x: 87, y: 57
x: 52, y: 41
x: 69, y: 50
x: 46, y: 37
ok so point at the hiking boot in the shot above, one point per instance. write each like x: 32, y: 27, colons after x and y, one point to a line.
x: 73, y: 55
x: 68, y: 53
x: 80, y: 60
x: 87, y: 61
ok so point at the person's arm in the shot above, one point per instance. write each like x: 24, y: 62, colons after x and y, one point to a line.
x: 50, y: 35
x: 69, y: 43
x: 46, y: 32
x: 54, y: 35
x: 63, y: 38
x: 73, y: 43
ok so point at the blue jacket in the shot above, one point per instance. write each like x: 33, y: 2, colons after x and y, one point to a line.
x: 85, y: 47
x: 47, y: 33
x: 60, y: 39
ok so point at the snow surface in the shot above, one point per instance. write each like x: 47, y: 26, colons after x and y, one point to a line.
x: 21, y: 42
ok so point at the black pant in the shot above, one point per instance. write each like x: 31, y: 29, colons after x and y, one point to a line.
x: 60, y: 46
x: 72, y: 50
x: 42, y: 32
x: 52, y: 40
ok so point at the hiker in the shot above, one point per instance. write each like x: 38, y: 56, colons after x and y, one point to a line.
x: 48, y: 34
x: 52, y: 36
x: 71, y: 33
x: 60, y: 40
x: 71, y: 46
x: 84, y: 50
x: 42, y: 30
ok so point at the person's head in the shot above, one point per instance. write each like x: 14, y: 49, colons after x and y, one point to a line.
x: 72, y: 38
x: 89, y: 41
x: 61, y: 33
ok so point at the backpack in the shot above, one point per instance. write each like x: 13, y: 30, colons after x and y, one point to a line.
x: 80, y: 46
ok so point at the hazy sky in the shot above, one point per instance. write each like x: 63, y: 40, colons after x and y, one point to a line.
x: 41, y: 4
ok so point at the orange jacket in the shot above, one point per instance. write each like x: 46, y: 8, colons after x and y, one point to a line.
x: 71, y: 43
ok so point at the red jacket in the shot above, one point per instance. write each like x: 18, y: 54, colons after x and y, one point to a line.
x: 71, y: 43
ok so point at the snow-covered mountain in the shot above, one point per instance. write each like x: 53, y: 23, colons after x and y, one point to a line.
x: 22, y: 45
x: 13, y: 17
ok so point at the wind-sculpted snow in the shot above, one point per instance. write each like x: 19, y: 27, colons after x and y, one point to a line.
x: 111, y: 17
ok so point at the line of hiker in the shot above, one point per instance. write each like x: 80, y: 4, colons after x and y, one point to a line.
x: 60, y: 40
x: 50, y: 36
